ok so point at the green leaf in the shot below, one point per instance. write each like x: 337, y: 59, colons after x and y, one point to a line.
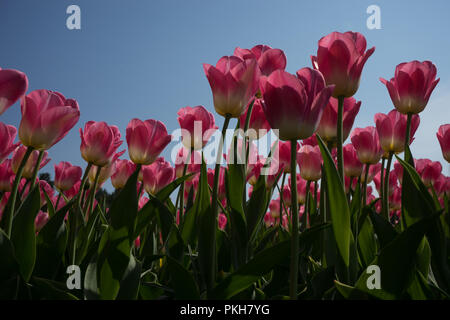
x: 183, y: 283
x: 384, y: 230
x: 8, y: 266
x: 129, y: 286
x: 339, y: 210
x: 256, y: 208
x: 249, y: 273
x: 51, y: 290
x: 23, y: 235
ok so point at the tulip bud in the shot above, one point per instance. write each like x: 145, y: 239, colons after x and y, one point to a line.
x: 269, y: 59
x: 41, y: 220
x: 194, y: 161
x: 17, y: 157
x: 6, y: 176
x: 13, y: 85
x: 7, y: 136
x: 197, y: 126
x: 66, y: 175
x: 157, y: 175
x: 443, y: 136
x: 352, y: 166
x: 310, y: 161
x: 367, y: 145
x: 123, y: 170
x: 258, y: 125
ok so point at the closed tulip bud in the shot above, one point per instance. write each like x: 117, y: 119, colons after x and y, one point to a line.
x: 146, y: 140
x: 341, y: 58
x: 443, y: 136
x: 327, y: 128
x: 194, y: 161
x: 142, y: 202
x: 393, y: 182
x: 258, y: 125
x: 44, y: 189
x: 6, y: 176
x: 222, y: 221
x: 66, y: 175
x: 47, y: 117
x: 7, y: 135
x: 398, y: 169
x: 233, y: 82
x: 367, y: 145
x: 17, y: 157
x: 72, y: 192
x: 99, y: 143
x: 254, y: 171
x: 157, y: 175
x: 429, y: 170
x: 395, y: 200
x: 41, y: 220
x: 287, y: 199
x: 123, y: 170
x: 352, y: 166
x: 221, y: 190
x: 13, y: 85
x: 412, y: 85
x: 269, y: 59
x: 197, y: 126
x: 391, y: 129
x: 294, y: 105
x: 373, y: 170
x: 273, y: 171
x: 105, y: 173
x: 283, y: 155
x: 268, y: 220
x: 301, y: 189
x: 439, y: 185
x: 310, y: 162
x: 274, y: 208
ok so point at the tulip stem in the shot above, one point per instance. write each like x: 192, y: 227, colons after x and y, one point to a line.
x: 340, y: 158
x: 408, y: 132
x: 91, y: 201
x: 364, y: 191
x: 294, y: 215
x: 12, y: 199
x: 386, y: 187
x: 308, y: 217
x: 215, y: 208
x: 188, y: 158
x: 36, y: 169
x: 281, y: 195
x: 57, y: 201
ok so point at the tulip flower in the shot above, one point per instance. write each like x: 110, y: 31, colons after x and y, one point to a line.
x: 327, y: 128
x: 197, y: 126
x: 287, y: 197
x: 254, y: 171
x: 443, y: 136
x: 373, y: 170
x: 341, y: 58
x: 221, y: 188
x: 391, y: 129
x: 412, y: 85
x: 105, y: 173
x: 142, y: 202
x: 439, y: 185
x: 7, y: 135
x: 194, y: 161
x: 6, y: 176
x: 301, y: 189
x: 123, y: 170
x: 258, y: 125
x: 268, y: 220
x: 41, y: 220
x: 157, y: 175
x: 13, y: 85
x: 47, y: 117
x: 367, y: 145
x: 429, y: 171
x: 274, y: 208
x: 352, y: 166
x: 66, y: 175
x: 234, y: 81
x: 72, y: 192
x: 30, y: 165
x: 283, y: 155
x: 293, y: 105
x: 99, y: 143
x: 146, y: 140
x: 222, y: 221
x: 393, y: 182
x: 192, y: 186
x: 269, y: 59
x: 310, y: 162
x: 273, y: 171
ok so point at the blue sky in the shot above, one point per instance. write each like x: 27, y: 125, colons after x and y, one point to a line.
x: 144, y: 59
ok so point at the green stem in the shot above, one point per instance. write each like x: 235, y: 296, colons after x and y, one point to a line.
x: 383, y: 165
x: 57, y: 201
x: 386, y: 187
x: 188, y: 158
x: 294, y: 215
x: 215, y: 208
x: 91, y: 201
x: 281, y: 194
x: 36, y: 169
x: 366, y: 175
x: 12, y: 200
x: 308, y: 217
x: 408, y: 132
x: 340, y: 158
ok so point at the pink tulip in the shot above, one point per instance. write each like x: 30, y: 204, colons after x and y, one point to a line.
x: 17, y: 157
x: 157, y: 175
x: 269, y: 59
x: 352, y: 166
x: 287, y: 198
x: 392, y: 130
x: 142, y: 202
x: 192, y: 185
x: 310, y: 161
x: 373, y: 170
x: 393, y: 182
x: 367, y: 145
x: 13, y: 85
x: 294, y: 105
x: 47, y: 117
x: 301, y: 189
x: 273, y: 172
x: 66, y: 175
x: 99, y: 143
x: 443, y: 136
x: 274, y: 208
x: 6, y: 176
x: 439, y: 185
x: 395, y: 200
x: 412, y: 85
x: 146, y: 140
x: 194, y: 162
x: 268, y: 220
x: 327, y: 128
x: 341, y: 58
x: 45, y: 187
x: 105, y: 173
x: 72, y: 192
x: 197, y: 126
x: 283, y: 154
x: 41, y: 220
x: 222, y: 221
x: 429, y: 170
x: 258, y: 125
x: 7, y: 135
x: 233, y: 82
x: 137, y: 242
x: 123, y: 170
x: 311, y: 141
x: 221, y: 190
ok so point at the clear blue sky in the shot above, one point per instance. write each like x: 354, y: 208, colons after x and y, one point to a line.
x: 143, y: 59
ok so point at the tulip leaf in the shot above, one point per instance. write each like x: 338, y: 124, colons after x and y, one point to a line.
x: 23, y: 234
x: 8, y: 267
x: 165, y: 192
x: 129, y: 286
x: 51, y: 290
x: 256, y: 207
x: 339, y: 210
x: 183, y: 283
